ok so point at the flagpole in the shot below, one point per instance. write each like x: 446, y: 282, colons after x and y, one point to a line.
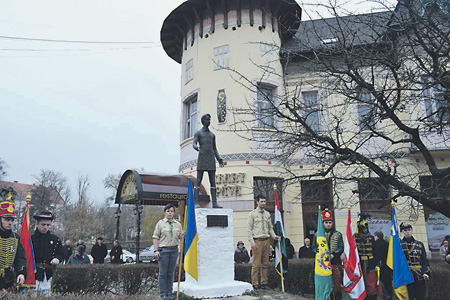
x: 182, y: 243
x: 181, y: 253
x: 281, y: 266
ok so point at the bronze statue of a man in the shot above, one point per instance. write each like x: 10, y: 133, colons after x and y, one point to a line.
x: 205, y: 144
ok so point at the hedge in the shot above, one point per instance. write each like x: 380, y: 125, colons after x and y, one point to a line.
x: 135, y: 279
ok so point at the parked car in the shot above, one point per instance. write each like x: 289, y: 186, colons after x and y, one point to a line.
x: 107, y: 257
x: 147, y: 255
x: 128, y: 257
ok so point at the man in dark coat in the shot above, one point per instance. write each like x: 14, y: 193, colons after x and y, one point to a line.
x: 368, y: 256
x: 67, y: 251
x: 290, y: 251
x: 99, y: 251
x: 116, y: 253
x: 12, y: 256
x: 306, y: 251
x: 382, y: 248
x: 48, y: 250
x: 418, y: 263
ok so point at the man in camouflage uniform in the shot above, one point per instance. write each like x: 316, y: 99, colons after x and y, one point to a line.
x: 336, y: 248
x: 12, y: 254
x: 368, y: 257
x: 417, y: 261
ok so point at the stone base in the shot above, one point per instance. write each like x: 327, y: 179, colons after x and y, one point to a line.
x: 224, y: 289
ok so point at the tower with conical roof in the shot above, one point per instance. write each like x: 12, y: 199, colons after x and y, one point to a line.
x: 229, y: 53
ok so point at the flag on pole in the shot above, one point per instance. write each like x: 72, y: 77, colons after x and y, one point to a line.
x: 396, y: 260
x: 190, y: 250
x: 323, y: 275
x: 353, y: 276
x: 279, y: 231
x: 25, y: 240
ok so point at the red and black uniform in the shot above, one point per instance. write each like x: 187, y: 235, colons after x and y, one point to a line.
x: 369, y: 260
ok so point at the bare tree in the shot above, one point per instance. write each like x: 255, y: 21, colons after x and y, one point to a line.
x: 83, y: 184
x: 383, y: 109
x: 2, y: 169
x: 51, y: 189
x: 111, y: 182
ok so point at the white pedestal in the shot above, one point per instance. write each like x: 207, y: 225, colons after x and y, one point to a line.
x: 215, y: 259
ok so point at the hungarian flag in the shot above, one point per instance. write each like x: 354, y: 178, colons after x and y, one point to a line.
x: 25, y: 240
x: 353, y: 276
x: 323, y: 275
x: 280, y: 263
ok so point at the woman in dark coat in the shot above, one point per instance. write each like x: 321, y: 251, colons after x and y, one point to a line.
x: 241, y: 254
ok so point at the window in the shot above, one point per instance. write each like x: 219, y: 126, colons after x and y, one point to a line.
x: 373, y: 195
x: 190, y: 114
x: 267, y: 54
x: 264, y: 186
x: 221, y: 57
x: 314, y: 193
x: 311, y: 109
x: 189, y: 71
x: 366, y: 118
x: 436, y: 104
x: 435, y: 188
x: 264, y: 103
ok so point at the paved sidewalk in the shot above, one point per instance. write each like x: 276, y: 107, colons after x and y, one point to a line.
x: 265, y: 295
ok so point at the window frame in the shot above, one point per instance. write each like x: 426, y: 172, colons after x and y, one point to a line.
x: 190, y: 117
x: 189, y: 71
x: 363, y: 103
x: 315, y: 109
x: 221, y: 56
x: 262, y: 103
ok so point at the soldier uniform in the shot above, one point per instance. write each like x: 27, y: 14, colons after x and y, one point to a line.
x: 46, y: 247
x: 12, y: 254
x: 418, y: 264
x: 336, y: 248
x: 367, y: 256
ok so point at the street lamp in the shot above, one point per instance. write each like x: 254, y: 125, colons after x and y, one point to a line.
x: 138, y: 211
x: 117, y: 215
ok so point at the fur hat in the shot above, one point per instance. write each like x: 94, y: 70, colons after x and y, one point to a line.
x: 326, y: 215
x: 7, y: 207
x: 363, y: 225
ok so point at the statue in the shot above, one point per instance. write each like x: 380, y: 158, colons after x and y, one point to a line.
x: 207, y: 150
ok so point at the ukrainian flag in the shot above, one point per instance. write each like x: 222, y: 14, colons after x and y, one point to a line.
x: 323, y: 275
x: 396, y: 260
x: 190, y: 249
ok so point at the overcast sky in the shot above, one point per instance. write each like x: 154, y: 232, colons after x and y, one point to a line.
x: 84, y: 108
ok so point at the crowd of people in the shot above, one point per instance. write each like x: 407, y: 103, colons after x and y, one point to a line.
x: 372, y: 249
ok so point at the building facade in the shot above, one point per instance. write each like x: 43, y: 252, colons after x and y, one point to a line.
x: 237, y: 66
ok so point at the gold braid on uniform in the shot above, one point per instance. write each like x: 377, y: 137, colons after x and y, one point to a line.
x: 333, y: 244
x: 8, y: 248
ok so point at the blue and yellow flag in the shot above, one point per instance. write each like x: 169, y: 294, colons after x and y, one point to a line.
x: 190, y: 249
x: 323, y: 275
x: 396, y: 260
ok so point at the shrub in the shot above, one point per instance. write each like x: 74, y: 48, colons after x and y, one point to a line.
x: 299, y: 280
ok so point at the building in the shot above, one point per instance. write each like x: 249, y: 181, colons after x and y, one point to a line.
x: 22, y: 190
x: 246, y: 63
